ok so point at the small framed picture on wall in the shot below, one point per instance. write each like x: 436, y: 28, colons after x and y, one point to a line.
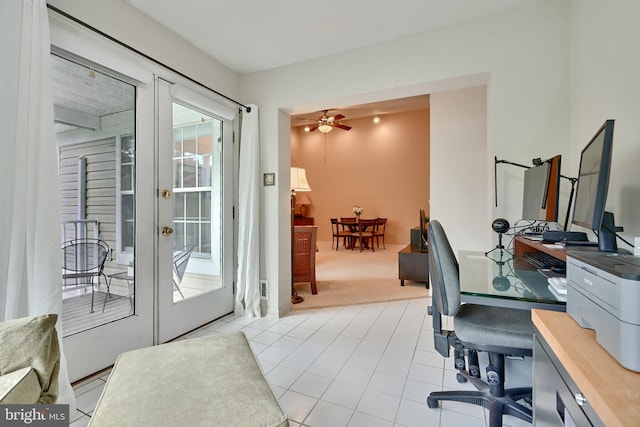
x: 269, y: 179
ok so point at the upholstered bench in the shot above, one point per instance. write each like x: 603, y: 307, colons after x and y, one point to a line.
x: 208, y: 381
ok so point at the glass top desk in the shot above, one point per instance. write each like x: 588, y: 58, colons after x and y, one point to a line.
x: 504, y: 281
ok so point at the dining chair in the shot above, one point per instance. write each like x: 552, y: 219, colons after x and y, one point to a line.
x: 381, y: 224
x: 349, y: 224
x: 338, y: 232
x: 364, y: 233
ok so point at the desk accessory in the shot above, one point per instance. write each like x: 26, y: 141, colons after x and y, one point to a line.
x: 500, y: 226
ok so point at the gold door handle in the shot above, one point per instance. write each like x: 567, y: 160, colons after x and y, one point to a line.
x: 166, y: 193
x: 167, y: 231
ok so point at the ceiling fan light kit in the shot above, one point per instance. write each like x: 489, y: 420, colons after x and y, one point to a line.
x: 325, y: 128
x: 325, y: 123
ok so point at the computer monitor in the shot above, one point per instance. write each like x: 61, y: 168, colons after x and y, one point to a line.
x: 592, y: 186
x: 541, y: 191
x: 423, y: 230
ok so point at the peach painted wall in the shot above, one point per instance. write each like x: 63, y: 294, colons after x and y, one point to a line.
x: 382, y: 167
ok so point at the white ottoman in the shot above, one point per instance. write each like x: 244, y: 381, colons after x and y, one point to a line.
x: 209, y: 381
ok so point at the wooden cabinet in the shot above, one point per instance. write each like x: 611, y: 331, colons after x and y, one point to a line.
x: 413, y: 265
x: 574, y: 377
x: 301, y: 220
x: 558, y: 401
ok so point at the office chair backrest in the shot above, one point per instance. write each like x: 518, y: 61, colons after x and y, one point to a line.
x: 443, y: 270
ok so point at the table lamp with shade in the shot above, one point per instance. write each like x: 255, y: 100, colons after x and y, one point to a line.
x: 300, y: 184
x: 302, y: 204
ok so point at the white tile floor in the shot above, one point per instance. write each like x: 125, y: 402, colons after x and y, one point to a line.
x: 358, y: 366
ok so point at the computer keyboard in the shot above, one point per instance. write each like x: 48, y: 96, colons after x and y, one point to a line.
x: 544, y: 260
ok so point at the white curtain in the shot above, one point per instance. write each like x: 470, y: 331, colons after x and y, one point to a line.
x: 248, y: 290
x: 30, y: 261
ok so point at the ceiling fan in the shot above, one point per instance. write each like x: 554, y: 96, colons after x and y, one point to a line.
x: 326, y: 123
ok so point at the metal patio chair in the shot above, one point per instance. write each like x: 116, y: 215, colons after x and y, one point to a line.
x: 83, y: 264
x: 180, y: 261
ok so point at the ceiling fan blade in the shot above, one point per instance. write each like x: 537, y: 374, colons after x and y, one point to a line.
x: 314, y: 127
x: 338, y: 117
x: 341, y: 126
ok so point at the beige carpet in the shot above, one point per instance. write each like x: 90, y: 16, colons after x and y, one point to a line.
x: 347, y: 277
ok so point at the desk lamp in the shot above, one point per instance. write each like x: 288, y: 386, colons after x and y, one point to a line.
x: 298, y: 183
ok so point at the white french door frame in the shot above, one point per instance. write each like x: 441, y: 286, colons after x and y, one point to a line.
x: 174, y: 318
x: 156, y: 319
x: 92, y: 350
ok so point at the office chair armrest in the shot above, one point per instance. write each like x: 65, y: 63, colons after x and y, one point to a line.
x: 442, y: 339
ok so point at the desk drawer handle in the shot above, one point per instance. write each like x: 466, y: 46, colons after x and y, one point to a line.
x: 580, y: 399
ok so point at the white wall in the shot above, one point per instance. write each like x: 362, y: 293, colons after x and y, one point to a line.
x: 605, y: 68
x: 118, y: 19
x: 459, y: 143
x: 523, y: 57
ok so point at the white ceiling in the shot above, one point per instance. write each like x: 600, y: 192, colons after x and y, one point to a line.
x: 255, y: 35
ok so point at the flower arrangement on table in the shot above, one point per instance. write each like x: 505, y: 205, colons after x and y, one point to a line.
x: 358, y: 210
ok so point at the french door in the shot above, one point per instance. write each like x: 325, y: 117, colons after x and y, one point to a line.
x: 104, y: 139
x: 147, y: 169
x: 195, y: 214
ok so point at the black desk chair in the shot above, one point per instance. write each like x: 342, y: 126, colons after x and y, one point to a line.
x: 496, y: 330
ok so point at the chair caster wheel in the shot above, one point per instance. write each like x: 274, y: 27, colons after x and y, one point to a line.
x: 474, y: 371
x: 432, y: 403
x: 461, y: 378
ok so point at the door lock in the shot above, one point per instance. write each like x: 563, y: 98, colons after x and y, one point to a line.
x: 167, y: 231
x: 166, y: 193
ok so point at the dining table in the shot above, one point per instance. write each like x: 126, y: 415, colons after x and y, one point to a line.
x: 352, y: 224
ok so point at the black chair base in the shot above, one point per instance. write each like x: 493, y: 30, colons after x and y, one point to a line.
x: 497, y: 405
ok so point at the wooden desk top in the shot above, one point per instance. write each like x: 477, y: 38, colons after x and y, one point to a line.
x: 612, y: 390
x: 522, y: 245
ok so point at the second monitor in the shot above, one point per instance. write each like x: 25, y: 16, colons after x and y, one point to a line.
x: 541, y: 191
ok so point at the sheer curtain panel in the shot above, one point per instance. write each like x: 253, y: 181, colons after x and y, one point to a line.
x: 30, y: 264
x: 248, y: 290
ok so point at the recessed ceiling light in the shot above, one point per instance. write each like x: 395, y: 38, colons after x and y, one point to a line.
x: 376, y: 119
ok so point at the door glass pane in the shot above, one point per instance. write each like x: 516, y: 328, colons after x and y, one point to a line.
x: 94, y: 117
x: 197, y: 178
